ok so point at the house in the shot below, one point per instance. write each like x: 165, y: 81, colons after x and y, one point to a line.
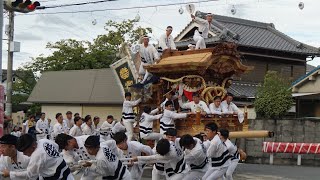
x: 309, y: 68
x: 4, y: 78
x: 306, y: 91
x: 17, y: 76
x: 260, y: 44
x: 92, y: 91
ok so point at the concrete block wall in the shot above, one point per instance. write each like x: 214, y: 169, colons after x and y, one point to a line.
x: 287, y: 130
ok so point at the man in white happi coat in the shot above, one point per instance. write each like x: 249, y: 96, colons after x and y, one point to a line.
x: 69, y: 119
x: 233, y: 150
x: 217, y: 153
x: 228, y: 107
x: 166, y: 40
x: 60, y: 126
x: 215, y: 107
x: 76, y: 129
x: 149, y: 55
x: 170, y: 96
x: 128, y: 115
x: 42, y: 127
x: 87, y: 128
x: 73, y: 151
x: 203, y: 31
x: 130, y: 149
x: 171, y: 156
x: 191, y: 47
x: 96, y: 126
x: 118, y: 127
x: 107, y: 165
x: 106, y: 128
x: 195, y: 155
x: 196, y: 105
x: 146, y: 124
x: 45, y: 160
x: 158, y: 168
x: 11, y: 159
x: 167, y: 120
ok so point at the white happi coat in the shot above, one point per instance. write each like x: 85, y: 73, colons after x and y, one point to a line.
x: 233, y: 150
x: 75, y: 131
x: 166, y: 42
x: 46, y: 162
x: 108, y: 165
x: 60, y: 128
x: 127, y: 110
x: 167, y: 120
x: 162, y: 105
x: 174, y: 161
x: 218, y: 153
x: 196, y: 158
x: 148, y: 55
x: 146, y: 122
x: 96, y: 129
x: 42, y: 127
x: 214, y: 109
x: 231, y: 108
x: 87, y: 130
x: 118, y: 127
x: 135, y: 149
x: 204, y: 28
x: 194, y: 107
x: 106, y: 130
x: 22, y: 164
x: 69, y: 122
x: 75, y: 155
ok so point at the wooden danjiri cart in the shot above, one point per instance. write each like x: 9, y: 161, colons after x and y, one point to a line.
x: 206, y: 71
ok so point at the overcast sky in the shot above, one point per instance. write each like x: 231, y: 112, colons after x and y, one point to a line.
x: 35, y: 31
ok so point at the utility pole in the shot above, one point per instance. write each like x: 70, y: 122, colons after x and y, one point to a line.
x: 9, y: 67
x: 1, y: 37
x: 1, y: 88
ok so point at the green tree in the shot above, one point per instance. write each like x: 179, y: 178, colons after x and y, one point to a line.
x: 274, y: 98
x: 24, y: 82
x: 70, y: 54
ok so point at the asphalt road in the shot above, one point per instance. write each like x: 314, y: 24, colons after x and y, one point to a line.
x: 268, y: 172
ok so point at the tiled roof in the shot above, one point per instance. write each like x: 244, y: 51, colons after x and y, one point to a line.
x: 243, y: 89
x: 302, y: 78
x: 254, y: 34
x: 92, y: 86
x: 309, y: 68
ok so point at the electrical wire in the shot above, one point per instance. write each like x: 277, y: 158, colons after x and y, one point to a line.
x: 73, y: 4
x: 118, y: 9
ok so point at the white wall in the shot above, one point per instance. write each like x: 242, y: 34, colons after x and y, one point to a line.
x: 103, y: 111
x: 94, y: 110
x: 251, y: 113
x: 52, y: 110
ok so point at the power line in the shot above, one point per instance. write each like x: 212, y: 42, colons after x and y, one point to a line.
x: 73, y: 4
x: 118, y: 9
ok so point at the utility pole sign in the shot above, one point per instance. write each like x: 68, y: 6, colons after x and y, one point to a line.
x: 12, y: 6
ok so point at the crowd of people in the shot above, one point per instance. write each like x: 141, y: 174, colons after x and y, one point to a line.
x: 85, y: 148
x: 150, y: 55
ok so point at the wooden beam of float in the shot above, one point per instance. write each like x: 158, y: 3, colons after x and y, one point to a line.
x: 251, y: 134
x: 224, y: 59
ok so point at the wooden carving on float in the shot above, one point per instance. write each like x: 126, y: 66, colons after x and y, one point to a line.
x: 206, y: 71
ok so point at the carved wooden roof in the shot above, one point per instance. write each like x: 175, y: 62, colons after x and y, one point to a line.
x: 222, y: 59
